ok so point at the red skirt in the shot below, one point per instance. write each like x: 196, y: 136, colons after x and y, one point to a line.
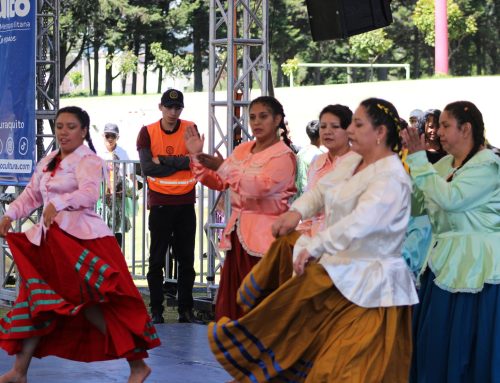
x: 57, y: 281
x: 237, y: 265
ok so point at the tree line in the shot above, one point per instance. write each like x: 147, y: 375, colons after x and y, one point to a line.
x: 171, y: 37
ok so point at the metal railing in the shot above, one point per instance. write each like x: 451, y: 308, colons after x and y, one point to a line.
x: 135, y: 234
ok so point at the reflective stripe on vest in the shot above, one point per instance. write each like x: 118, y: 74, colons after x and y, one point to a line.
x: 182, y: 181
x: 166, y: 182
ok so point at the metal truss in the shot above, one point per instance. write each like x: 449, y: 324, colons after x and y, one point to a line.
x: 46, y: 106
x: 47, y: 74
x: 239, y: 61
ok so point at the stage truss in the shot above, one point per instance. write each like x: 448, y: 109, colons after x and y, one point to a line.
x: 239, y: 61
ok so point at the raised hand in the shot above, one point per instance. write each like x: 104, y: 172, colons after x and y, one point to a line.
x: 413, y: 140
x: 194, y: 143
x: 211, y: 162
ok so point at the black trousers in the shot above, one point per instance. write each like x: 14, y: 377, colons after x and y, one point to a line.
x: 172, y: 225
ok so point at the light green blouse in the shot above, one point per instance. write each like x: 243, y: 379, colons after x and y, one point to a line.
x: 465, y: 217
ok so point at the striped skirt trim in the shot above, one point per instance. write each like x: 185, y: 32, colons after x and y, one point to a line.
x: 306, y: 331
x: 57, y: 281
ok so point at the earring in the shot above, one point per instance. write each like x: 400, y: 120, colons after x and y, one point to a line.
x: 378, y: 141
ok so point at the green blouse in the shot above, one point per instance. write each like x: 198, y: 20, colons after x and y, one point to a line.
x: 465, y: 217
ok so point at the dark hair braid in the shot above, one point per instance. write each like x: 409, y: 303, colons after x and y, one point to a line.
x: 277, y: 109
x: 84, y: 119
x: 382, y: 112
x: 466, y: 111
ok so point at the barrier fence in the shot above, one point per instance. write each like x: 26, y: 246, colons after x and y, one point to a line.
x: 128, y: 219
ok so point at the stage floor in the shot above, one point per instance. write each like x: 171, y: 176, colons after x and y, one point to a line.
x: 183, y: 357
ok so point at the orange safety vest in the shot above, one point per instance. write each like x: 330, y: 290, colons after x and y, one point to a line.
x: 182, y: 181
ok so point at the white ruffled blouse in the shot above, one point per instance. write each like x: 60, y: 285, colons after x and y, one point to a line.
x: 366, y: 218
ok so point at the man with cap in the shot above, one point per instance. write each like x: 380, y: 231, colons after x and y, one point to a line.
x: 113, y: 152
x: 415, y: 116
x: 111, y: 134
x: 171, y: 197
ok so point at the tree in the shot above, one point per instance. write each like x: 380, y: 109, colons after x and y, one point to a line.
x: 289, y: 33
x: 127, y: 64
x: 191, y: 20
x: 408, y: 46
x: 76, y: 78
x: 478, y: 53
x: 459, y: 25
x: 370, y: 46
x: 73, y: 19
x: 172, y: 65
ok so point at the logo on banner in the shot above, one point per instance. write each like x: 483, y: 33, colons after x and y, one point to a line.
x: 17, y: 90
x: 13, y: 8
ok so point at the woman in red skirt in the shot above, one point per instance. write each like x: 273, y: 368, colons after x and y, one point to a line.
x: 76, y: 295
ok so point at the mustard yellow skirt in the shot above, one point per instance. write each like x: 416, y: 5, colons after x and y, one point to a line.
x: 301, y: 329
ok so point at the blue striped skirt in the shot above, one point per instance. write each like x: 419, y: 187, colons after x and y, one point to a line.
x: 456, y: 335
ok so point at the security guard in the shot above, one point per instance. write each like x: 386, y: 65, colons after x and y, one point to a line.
x: 171, y: 197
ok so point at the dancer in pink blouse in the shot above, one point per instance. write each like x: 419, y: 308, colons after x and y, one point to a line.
x: 261, y: 177
x: 333, y: 123
x: 76, y: 295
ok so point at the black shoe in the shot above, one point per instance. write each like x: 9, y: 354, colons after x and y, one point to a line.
x: 157, y: 318
x: 187, y: 316
x: 170, y: 289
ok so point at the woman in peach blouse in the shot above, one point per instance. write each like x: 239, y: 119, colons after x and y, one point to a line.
x: 261, y: 177
x: 333, y: 123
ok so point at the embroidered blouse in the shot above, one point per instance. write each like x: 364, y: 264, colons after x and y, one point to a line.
x: 320, y: 166
x: 73, y: 188
x: 261, y: 185
x: 465, y: 218
x: 366, y: 218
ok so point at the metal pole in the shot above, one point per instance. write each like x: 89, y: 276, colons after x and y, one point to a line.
x: 441, y: 43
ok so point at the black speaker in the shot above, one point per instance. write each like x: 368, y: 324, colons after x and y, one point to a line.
x: 332, y: 19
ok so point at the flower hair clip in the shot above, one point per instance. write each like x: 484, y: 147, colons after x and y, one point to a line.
x: 385, y: 109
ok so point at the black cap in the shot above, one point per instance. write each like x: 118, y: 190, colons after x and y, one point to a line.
x: 172, y: 97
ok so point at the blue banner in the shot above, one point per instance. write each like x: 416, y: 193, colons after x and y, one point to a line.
x: 17, y: 90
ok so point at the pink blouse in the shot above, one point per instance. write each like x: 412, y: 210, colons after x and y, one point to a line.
x: 320, y: 166
x: 73, y: 188
x: 261, y: 185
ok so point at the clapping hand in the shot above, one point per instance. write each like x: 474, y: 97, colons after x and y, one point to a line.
x: 194, y: 143
x: 211, y: 162
x: 414, y: 142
